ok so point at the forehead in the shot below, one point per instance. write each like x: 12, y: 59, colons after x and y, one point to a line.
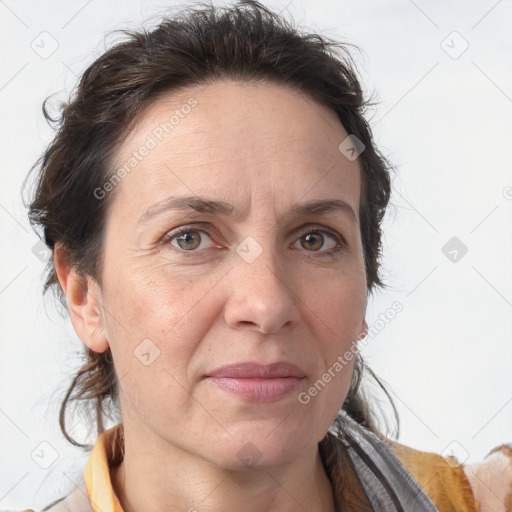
x: 254, y: 137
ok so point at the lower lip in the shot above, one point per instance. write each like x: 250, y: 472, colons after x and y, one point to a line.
x: 259, y: 390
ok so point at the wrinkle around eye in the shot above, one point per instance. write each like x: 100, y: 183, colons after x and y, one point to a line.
x: 340, y: 244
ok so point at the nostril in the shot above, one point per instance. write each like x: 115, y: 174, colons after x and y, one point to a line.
x: 248, y: 323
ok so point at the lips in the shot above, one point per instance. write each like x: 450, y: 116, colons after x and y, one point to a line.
x: 258, y: 382
x: 252, y: 370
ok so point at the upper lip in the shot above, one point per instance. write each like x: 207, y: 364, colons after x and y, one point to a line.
x: 255, y: 370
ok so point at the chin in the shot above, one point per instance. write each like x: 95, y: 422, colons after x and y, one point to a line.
x: 252, y: 451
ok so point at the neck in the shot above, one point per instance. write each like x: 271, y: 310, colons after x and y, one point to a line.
x: 162, y: 477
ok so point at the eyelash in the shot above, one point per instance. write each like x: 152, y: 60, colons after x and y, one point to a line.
x: 340, y: 241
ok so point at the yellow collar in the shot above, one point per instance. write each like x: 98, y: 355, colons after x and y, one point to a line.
x: 106, y: 452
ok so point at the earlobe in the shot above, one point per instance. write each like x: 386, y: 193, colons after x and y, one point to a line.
x: 83, y: 298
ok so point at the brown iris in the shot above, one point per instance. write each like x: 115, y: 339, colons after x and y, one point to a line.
x: 314, y: 241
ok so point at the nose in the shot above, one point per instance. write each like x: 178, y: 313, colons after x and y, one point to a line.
x: 262, y: 295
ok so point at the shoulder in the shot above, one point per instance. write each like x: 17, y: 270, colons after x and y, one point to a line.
x: 24, y: 510
x: 491, y: 479
x: 76, y: 501
x: 484, y: 486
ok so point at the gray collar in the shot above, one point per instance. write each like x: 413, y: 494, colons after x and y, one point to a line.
x: 386, y: 482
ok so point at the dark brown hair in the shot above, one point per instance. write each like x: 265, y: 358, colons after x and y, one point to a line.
x: 196, y: 45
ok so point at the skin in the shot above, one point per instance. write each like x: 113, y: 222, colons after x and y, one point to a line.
x: 262, y: 148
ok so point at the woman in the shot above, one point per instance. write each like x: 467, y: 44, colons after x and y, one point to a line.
x: 213, y: 201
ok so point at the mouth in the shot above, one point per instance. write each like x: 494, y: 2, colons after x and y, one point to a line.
x: 257, y: 382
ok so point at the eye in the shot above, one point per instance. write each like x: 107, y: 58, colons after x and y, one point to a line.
x: 189, y: 239
x: 315, y: 240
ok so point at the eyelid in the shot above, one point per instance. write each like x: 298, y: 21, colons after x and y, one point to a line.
x: 315, y: 228
x: 307, y: 228
x: 170, y: 235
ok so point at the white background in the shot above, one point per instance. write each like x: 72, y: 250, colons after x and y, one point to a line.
x: 444, y: 122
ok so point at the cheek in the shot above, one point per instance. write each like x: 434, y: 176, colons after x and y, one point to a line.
x: 153, y: 338
x: 340, y: 304
x: 324, y: 397
x: 160, y: 322
x: 146, y: 302
x: 337, y: 314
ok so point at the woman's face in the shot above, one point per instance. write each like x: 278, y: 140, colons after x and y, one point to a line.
x: 251, y: 277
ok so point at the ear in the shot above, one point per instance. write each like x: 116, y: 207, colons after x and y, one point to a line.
x: 364, y: 330
x: 84, y: 301
x: 364, y: 326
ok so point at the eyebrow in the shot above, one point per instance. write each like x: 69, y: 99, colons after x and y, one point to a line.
x: 218, y: 207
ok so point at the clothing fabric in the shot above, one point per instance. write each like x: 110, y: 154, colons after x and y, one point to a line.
x: 367, y: 473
